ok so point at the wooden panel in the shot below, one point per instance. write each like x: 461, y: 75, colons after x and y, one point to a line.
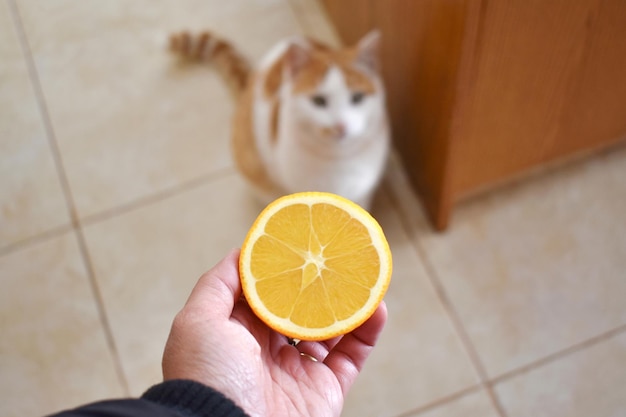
x: 530, y: 52
x: 423, y: 47
x: 595, y: 114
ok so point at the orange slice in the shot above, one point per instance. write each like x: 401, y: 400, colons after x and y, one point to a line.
x: 314, y: 266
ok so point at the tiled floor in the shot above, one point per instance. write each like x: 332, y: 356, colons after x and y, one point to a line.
x: 117, y: 191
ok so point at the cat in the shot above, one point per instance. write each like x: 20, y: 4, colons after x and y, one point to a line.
x: 309, y: 118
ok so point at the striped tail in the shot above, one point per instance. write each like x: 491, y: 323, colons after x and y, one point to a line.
x: 206, y: 47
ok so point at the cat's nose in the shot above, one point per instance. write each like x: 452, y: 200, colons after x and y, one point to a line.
x: 339, y: 130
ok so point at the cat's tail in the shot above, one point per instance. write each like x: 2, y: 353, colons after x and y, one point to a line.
x: 206, y: 47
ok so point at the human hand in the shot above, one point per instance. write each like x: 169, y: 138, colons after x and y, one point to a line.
x: 217, y: 340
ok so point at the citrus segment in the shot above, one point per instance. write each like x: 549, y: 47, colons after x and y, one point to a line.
x: 291, y: 225
x: 337, y: 286
x: 312, y: 310
x: 325, y: 231
x: 357, y: 265
x: 314, y: 266
x: 270, y: 255
x: 281, y: 292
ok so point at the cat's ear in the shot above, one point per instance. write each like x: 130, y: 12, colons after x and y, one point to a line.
x: 368, y: 50
x: 297, y: 57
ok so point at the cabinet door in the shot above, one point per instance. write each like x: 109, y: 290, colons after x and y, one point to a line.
x: 528, y: 60
x: 595, y: 115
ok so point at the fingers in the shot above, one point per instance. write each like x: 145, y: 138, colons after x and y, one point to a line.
x: 319, y: 350
x: 217, y: 290
x: 348, y: 356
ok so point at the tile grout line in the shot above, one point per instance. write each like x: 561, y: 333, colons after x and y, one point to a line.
x: 158, y: 196
x: 453, y: 315
x: 32, y: 240
x: 561, y: 354
x: 75, y: 221
x: 441, y: 401
x: 460, y: 329
x: 117, y: 211
x: 303, y: 27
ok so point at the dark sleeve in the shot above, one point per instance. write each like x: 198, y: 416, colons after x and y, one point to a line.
x: 178, y: 398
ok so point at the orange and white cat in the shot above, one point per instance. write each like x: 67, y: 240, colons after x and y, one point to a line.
x: 310, y: 118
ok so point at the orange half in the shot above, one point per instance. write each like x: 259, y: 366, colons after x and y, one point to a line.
x: 314, y: 265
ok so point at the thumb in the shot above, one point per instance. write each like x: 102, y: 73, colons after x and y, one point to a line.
x: 217, y: 290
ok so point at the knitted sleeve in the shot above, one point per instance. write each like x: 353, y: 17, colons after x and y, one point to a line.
x: 176, y: 398
x: 193, y: 399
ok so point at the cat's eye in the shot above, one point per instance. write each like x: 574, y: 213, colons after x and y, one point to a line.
x: 319, y: 101
x: 357, y: 97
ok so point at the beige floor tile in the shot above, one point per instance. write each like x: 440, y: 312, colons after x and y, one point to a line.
x: 147, y: 261
x: 538, y: 266
x: 53, y: 352
x: 31, y: 198
x: 129, y: 119
x: 591, y: 382
x: 471, y: 405
x: 314, y: 21
x: 419, y: 358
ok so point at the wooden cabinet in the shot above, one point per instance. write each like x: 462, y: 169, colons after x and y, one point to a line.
x: 484, y: 91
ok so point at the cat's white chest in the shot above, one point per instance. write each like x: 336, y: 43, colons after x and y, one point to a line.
x: 353, y: 175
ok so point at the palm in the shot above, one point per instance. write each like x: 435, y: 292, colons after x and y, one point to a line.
x: 295, y: 385
x: 304, y: 392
